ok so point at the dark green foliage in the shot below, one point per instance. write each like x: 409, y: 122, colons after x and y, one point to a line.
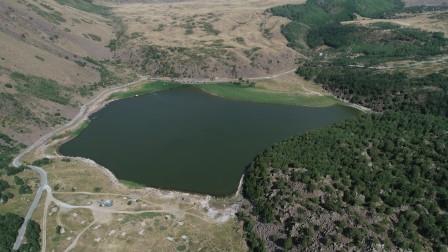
x: 9, y: 225
x: 394, y: 160
x: 254, y: 243
x: 86, y: 5
x: 19, y: 181
x: 42, y: 88
x: 42, y: 162
x: 25, y: 189
x: 317, y: 13
x: 4, y: 195
x: 113, y: 45
x: 8, y: 148
x: 378, y: 42
x: 382, y: 90
x: 11, y: 170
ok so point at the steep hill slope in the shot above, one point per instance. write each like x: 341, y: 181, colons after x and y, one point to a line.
x: 49, y: 59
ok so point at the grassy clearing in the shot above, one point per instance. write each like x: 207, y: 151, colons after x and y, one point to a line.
x: 145, y: 89
x: 131, y: 184
x: 40, y: 87
x: 253, y: 94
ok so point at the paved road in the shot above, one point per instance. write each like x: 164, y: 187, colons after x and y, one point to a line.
x: 43, y: 186
x: 84, y: 112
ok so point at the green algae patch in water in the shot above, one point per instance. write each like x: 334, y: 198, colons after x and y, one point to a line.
x: 184, y: 139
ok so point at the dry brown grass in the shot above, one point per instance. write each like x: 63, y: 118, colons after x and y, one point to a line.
x: 33, y: 45
x: 293, y: 84
x: 78, y: 176
x: 233, y: 37
x: 163, y: 221
x: 161, y: 232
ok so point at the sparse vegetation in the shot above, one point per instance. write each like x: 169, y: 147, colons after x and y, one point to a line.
x: 51, y: 15
x: 145, y: 89
x: 39, y: 58
x: 92, y: 37
x: 250, y: 93
x: 42, y: 88
x: 86, y: 5
x: 209, y: 29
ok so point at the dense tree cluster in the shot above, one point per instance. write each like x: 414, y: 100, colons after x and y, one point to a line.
x: 383, y: 90
x: 320, y: 13
x: 377, y: 181
x: 394, y: 166
x: 378, y: 42
x: 9, y: 225
x: 8, y: 148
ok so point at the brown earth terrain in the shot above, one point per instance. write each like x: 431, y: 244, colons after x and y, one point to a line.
x: 205, y: 38
x: 71, y: 52
x: 46, y: 44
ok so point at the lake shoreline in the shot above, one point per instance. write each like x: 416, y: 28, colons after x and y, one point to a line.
x: 172, y: 158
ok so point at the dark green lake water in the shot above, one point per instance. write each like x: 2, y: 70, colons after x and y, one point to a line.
x: 187, y: 140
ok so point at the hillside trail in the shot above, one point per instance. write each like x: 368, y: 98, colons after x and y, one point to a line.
x: 91, y: 106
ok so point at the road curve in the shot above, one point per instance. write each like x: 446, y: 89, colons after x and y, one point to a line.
x: 43, y: 185
x: 84, y: 112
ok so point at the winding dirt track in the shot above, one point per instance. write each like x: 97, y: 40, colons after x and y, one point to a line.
x: 88, y: 108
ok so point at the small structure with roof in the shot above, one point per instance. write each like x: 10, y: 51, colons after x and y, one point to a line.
x: 105, y: 203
